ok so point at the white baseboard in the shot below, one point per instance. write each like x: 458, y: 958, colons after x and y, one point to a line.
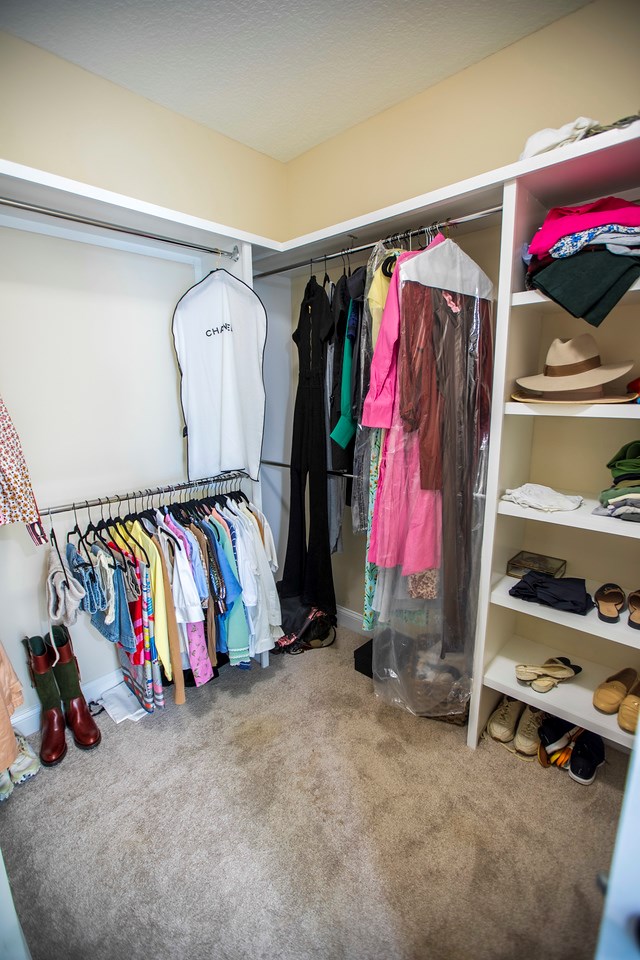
x: 27, y: 721
x: 351, y: 620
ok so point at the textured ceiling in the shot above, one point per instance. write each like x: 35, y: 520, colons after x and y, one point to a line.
x: 278, y: 75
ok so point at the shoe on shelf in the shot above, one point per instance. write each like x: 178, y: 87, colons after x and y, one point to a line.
x: 609, y: 695
x: 504, y: 720
x: 526, y: 739
x: 6, y: 786
x: 546, y: 676
x: 629, y: 710
x: 555, y: 734
x: 633, y: 602
x: 609, y: 599
x: 26, y: 764
x: 587, y: 755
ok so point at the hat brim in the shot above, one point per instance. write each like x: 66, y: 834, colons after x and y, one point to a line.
x: 540, y: 398
x: 580, y: 381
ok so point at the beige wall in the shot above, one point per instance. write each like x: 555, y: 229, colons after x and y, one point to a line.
x: 585, y: 64
x: 58, y: 117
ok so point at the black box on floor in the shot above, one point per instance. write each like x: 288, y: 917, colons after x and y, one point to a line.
x: 363, y: 658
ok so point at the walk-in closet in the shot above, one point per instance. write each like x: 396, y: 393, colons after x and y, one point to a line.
x: 318, y: 598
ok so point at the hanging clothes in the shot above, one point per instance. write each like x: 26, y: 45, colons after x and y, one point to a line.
x: 307, y: 568
x: 17, y: 501
x: 378, y: 278
x: 430, y: 391
x: 219, y: 330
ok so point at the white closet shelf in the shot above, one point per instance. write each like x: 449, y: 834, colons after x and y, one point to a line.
x: 533, y: 298
x: 597, y: 411
x: 581, y: 519
x: 619, y: 632
x: 571, y: 700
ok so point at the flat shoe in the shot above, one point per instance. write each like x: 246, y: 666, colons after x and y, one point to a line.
x: 629, y: 710
x: 543, y: 684
x: 633, y: 602
x: 609, y: 695
x: 557, y: 667
x: 609, y: 599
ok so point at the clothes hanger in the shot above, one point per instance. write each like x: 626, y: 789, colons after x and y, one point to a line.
x: 114, y: 525
x: 81, y: 540
x: 92, y: 528
x: 54, y: 540
x: 327, y: 278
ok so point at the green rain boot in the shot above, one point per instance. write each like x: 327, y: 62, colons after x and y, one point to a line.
x: 53, y: 744
x: 79, y: 720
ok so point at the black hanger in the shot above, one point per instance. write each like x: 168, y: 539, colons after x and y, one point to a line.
x: 92, y: 528
x: 131, y: 518
x: 114, y: 524
x: 327, y: 278
x: 53, y: 539
x: 81, y: 541
x: 388, y: 264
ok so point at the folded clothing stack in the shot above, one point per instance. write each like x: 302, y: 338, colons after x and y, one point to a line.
x: 586, y: 257
x: 564, y: 593
x: 622, y: 499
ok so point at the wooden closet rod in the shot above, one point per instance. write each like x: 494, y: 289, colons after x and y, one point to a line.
x: 105, y: 225
x: 167, y: 488
x: 369, y: 246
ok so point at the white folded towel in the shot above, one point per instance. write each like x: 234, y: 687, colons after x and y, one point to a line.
x: 539, y: 497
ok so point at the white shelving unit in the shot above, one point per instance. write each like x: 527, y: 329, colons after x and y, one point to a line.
x: 619, y: 632
x: 570, y: 700
x: 564, y: 446
x: 582, y: 518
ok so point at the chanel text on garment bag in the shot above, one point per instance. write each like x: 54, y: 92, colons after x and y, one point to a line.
x: 219, y: 331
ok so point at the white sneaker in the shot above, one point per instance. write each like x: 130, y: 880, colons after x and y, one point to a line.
x: 527, y: 739
x: 6, y: 785
x: 26, y: 763
x: 503, y: 721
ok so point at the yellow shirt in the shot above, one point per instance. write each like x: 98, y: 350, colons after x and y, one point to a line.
x: 161, y: 632
x: 377, y: 298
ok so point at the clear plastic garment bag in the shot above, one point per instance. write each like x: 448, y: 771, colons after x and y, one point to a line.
x: 431, y: 389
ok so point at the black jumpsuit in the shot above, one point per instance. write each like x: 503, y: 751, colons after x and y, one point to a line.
x: 307, y: 568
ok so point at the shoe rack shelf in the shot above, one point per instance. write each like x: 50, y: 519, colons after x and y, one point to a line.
x: 570, y: 700
x: 566, y: 447
x: 582, y: 518
x: 619, y: 632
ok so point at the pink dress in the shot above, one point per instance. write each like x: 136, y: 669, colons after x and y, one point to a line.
x: 406, y: 528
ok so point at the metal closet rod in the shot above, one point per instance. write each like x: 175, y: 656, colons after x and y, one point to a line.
x: 167, y: 488
x: 105, y: 225
x: 287, y: 466
x: 369, y: 246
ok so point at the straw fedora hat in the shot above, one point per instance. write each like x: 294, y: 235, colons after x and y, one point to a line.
x: 574, y: 365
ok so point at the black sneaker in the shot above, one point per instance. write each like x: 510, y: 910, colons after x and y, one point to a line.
x: 587, y: 755
x: 555, y: 733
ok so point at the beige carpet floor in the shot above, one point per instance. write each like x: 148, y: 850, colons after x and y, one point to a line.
x: 286, y: 814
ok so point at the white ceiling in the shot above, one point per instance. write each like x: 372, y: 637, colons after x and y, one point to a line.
x: 278, y: 75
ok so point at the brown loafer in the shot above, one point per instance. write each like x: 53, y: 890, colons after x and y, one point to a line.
x: 609, y: 695
x: 629, y: 709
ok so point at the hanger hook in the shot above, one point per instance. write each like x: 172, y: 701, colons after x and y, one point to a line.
x: 88, y: 512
